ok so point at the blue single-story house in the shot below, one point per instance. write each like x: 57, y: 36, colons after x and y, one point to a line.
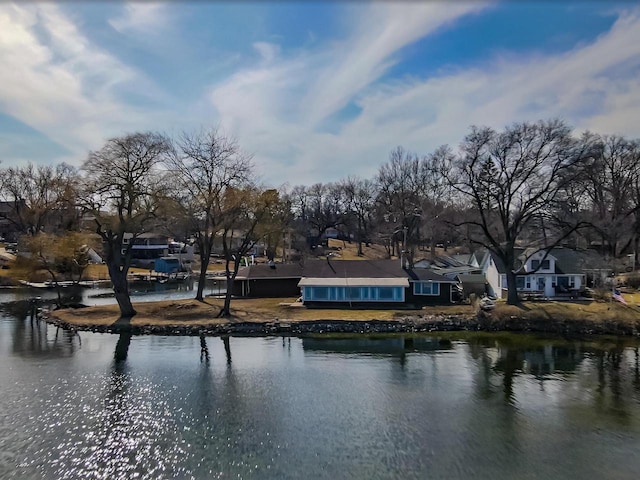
x: 371, y: 283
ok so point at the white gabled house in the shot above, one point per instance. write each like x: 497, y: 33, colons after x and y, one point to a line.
x: 551, y: 274
x: 560, y: 272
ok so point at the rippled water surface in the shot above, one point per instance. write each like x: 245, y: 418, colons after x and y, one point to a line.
x: 481, y: 406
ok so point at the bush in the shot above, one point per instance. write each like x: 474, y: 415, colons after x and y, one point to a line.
x: 601, y: 294
x: 633, y: 280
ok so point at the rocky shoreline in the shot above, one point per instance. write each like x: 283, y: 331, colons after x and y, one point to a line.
x: 410, y: 324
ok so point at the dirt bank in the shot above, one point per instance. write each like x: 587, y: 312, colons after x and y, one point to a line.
x: 275, y: 317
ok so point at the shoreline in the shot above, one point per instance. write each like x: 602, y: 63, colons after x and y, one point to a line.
x: 412, y: 324
x: 275, y: 317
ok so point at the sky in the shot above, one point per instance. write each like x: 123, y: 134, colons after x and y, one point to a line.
x: 316, y: 92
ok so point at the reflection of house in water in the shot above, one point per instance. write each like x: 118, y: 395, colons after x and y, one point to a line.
x: 552, y: 359
x: 541, y: 361
x: 373, y: 345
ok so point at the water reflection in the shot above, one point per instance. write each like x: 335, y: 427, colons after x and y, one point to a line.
x: 122, y: 348
x: 410, y: 406
x: 31, y: 336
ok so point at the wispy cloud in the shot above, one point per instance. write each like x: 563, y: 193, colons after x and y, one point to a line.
x: 141, y: 17
x: 56, y: 81
x: 380, y: 34
x: 276, y: 108
x: 317, y: 112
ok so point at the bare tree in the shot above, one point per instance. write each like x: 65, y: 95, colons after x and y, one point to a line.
x: 62, y: 256
x: 122, y: 186
x: 43, y: 197
x: 205, y: 165
x: 404, y: 192
x: 512, y: 179
x: 250, y: 214
x: 360, y: 200
x: 610, y: 184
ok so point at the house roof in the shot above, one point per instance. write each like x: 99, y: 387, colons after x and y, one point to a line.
x: 354, y: 282
x: 152, y: 235
x: 264, y: 271
x: 472, y: 278
x: 463, y: 258
x: 426, y: 275
x: 442, y: 261
x: 483, y: 255
x: 568, y: 261
x: 576, y: 261
x: 453, y: 271
x: 353, y: 269
x: 368, y: 269
x: 342, y: 273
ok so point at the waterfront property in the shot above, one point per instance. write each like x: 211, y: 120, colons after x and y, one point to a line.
x: 268, y: 280
x: 560, y: 272
x: 147, y: 248
x: 371, y: 283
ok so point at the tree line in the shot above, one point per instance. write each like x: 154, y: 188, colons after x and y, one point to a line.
x: 531, y: 184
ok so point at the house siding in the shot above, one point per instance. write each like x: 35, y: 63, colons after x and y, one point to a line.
x: 266, y: 288
x: 444, y: 297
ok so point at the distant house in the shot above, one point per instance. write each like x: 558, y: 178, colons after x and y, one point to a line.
x: 147, y: 248
x: 264, y: 280
x: 560, y: 272
x: 168, y: 265
x: 370, y: 283
x: 473, y: 283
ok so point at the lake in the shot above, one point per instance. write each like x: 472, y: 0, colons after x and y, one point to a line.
x: 99, y: 406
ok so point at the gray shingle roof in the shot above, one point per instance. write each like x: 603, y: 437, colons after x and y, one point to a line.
x: 263, y: 271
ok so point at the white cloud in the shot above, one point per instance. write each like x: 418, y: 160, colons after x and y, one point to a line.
x: 384, y: 30
x: 145, y: 17
x: 54, y: 80
x: 275, y: 108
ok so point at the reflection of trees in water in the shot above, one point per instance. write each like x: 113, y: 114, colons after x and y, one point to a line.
x: 227, y: 348
x: 32, y: 336
x: 608, y: 374
x: 204, y: 349
x: 616, y: 378
x: 122, y: 348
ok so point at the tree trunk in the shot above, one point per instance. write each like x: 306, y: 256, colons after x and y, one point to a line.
x: 226, y: 309
x: 231, y: 276
x: 205, y: 244
x: 121, y: 291
x: 120, y: 288
x: 512, y: 288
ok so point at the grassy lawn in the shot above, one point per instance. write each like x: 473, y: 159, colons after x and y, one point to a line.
x: 255, y: 310
x: 191, y: 312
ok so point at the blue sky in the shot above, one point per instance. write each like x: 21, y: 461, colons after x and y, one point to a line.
x: 316, y: 91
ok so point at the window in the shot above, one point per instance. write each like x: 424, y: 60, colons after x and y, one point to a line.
x: 320, y: 293
x: 385, y: 293
x: 520, y: 282
x: 545, y: 265
x: 336, y: 293
x: 527, y: 283
x: 426, y: 288
x: 353, y: 293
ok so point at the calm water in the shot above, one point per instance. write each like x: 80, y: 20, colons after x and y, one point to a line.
x: 101, y: 406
